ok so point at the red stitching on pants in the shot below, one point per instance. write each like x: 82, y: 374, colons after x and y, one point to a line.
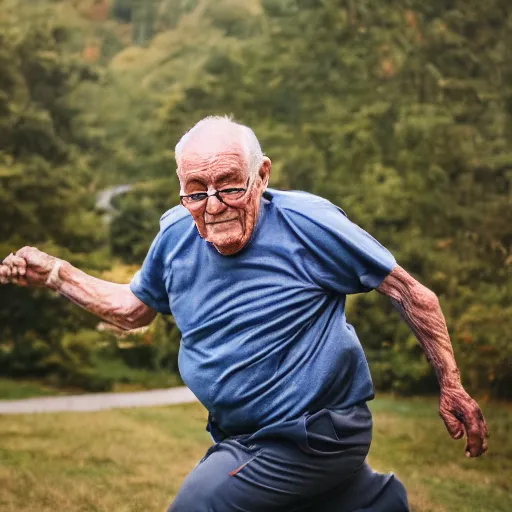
x: 235, y: 471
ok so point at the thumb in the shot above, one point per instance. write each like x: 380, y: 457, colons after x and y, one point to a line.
x: 453, y: 425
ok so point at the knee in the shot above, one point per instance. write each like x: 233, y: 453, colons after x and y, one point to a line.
x: 379, y: 492
x: 203, y: 490
x: 397, y: 496
x: 192, y: 498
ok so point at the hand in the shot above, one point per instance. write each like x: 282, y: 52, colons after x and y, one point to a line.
x: 28, y: 267
x: 461, y: 414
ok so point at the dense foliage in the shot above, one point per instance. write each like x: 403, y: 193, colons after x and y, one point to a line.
x: 400, y: 114
x: 44, y: 199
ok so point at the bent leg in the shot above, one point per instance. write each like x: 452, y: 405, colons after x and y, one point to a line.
x: 272, y: 476
x: 392, y: 499
x: 365, y: 491
x: 212, y: 486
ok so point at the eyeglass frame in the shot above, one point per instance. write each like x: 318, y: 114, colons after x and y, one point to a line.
x: 217, y: 193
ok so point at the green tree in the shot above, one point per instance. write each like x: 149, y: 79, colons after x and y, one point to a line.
x: 45, y: 199
x: 400, y: 114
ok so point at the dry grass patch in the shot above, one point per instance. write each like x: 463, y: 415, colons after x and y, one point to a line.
x: 135, y: 459
x: 107, y: 461
x: 411, y: 440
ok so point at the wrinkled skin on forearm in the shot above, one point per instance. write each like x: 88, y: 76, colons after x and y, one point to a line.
x: 113, y: 303
x: 420, y: 309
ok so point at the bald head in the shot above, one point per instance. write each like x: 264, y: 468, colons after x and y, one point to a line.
x: 223, y: 175
x: 220, y: 135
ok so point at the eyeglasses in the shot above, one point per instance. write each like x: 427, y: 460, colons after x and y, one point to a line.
x: 228, y: 196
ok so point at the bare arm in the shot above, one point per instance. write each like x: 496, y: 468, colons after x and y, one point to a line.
x: 420, y: 309
x: 112, y: 302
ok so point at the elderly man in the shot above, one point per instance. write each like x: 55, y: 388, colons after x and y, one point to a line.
x: 257, y: 281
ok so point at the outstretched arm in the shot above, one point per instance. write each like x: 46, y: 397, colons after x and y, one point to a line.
x: 112, y: 302
x: 420, y: 309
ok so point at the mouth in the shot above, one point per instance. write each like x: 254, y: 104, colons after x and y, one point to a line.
x: 221, y: 221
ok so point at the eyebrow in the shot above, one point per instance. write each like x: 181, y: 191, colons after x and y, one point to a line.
x: 224, y: 176
x: 195, y: 181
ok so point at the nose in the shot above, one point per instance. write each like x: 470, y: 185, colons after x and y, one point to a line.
x: 214, y: 206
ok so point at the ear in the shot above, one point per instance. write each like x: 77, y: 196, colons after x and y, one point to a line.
x: 264, y: 172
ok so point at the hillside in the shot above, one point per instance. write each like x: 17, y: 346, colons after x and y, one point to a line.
x: 400, y: 114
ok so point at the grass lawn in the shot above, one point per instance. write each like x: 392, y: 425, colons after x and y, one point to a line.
x: 125, y: 379
x: 135, y: 459
x: 16, y: 390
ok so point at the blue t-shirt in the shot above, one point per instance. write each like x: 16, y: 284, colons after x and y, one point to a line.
x: 264, y: 334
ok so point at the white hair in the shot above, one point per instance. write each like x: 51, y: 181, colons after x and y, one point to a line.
x: 242, y: 134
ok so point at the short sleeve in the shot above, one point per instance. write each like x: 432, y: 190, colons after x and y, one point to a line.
x: 148, y: 283
x: 345, y: 258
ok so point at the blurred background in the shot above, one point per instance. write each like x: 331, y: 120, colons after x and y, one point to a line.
x: 399, y: 112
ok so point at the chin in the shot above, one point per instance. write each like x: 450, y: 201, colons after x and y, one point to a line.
x: 219, y: 236
x: 230, y: 246
x: 226, y: 241
x: 223, y: 244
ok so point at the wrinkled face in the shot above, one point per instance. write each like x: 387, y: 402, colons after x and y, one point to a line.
x: 227, y: 227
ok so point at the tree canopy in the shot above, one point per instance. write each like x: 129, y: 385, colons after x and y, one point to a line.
x: 401, y: 114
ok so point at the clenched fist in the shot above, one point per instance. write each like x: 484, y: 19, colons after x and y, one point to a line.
x: 461, y: 414
x: 30, y: 267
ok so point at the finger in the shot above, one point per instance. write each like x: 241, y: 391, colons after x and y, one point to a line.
x: 14, y: 260
x: 453, y: 425
x: 7, y: 261
x: 475, y: 440
x: 20, y: 265
x: 485, y: 428
x: 16, y: 267
x: 5, y: 271
x: 20, y: 282
x: 10, y: 269
x: 14, y: 271
x: 18, y: 261
x: 22, y: 270
x: 485, y: 446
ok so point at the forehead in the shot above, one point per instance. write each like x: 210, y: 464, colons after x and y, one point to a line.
x: 204, y: 165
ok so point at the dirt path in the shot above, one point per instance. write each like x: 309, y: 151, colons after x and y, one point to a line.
x: 98, y: 401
